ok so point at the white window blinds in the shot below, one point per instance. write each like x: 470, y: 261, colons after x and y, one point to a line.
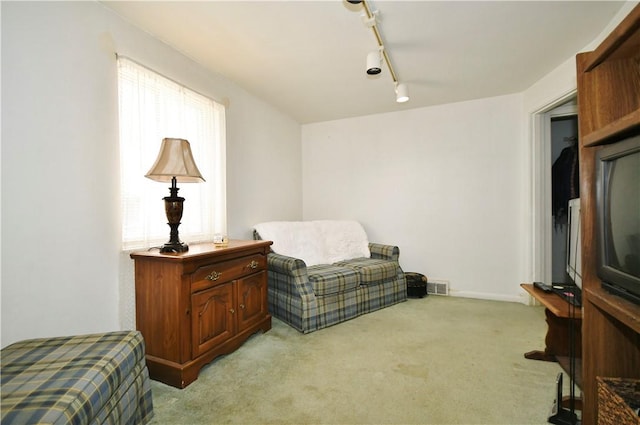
x: 153, y: 107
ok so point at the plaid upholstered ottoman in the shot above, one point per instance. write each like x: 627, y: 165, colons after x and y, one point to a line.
x: 88, y: 379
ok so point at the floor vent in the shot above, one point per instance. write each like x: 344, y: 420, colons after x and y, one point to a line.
x: 438, y: 287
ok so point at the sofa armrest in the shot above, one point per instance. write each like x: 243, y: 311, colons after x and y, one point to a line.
x: 384, y: 252
x: 289, y: 275
x: 287, y: 265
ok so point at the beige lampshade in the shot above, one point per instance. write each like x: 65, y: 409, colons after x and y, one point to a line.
x: 175, y: 160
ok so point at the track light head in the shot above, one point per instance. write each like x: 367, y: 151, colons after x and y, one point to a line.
x: 374, y: 60
x: 402, y: 93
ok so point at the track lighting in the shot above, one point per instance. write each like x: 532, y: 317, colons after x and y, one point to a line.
x: 402, y: 93
x: 374, y: 60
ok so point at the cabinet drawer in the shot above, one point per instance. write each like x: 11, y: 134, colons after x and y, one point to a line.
x: 225, y: 271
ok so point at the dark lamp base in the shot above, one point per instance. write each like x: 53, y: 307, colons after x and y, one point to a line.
x: 174, y: 247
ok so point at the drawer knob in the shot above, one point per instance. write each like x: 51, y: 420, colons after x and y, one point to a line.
x: 253, y: 264
x: 213, y: 276
x: 232, y: 311
x: 242, y: 306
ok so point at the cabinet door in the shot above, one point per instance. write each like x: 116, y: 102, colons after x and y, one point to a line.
x: 213, y: 320
x: 252, y: 299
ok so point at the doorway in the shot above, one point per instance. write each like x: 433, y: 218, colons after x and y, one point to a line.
x: 563, y: 114
x: 564, y: 186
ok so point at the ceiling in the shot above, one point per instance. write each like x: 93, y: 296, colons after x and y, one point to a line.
x: 308, y: 58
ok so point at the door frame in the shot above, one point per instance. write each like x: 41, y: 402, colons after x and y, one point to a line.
x: 542, y: 218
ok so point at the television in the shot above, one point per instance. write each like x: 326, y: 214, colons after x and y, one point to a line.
x: 618, y: 217
x: 574, y: 243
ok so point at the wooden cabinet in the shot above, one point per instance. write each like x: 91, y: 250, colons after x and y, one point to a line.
x: 609, y: 110
x: 194, y: 306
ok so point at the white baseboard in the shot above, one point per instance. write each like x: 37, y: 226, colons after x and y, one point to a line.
x: 520, y: 298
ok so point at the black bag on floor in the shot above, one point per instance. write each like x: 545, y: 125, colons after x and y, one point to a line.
x: 416, y: 284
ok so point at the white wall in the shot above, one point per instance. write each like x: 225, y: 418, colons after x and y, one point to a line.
x: 61, y: 271
x: 454, y: 185
x: 443, y: 183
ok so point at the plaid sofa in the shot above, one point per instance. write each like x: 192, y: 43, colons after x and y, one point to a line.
x: 87, y: 379
x: 309, y: 298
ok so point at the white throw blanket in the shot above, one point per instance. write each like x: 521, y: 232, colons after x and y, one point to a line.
x: 316, y: 242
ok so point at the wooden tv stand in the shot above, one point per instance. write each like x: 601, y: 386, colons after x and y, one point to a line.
x: 609, y: 109
x: 559, y: 318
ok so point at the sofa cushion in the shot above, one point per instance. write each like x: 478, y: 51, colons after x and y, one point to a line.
x: 327, y: 279
x: 372, y: 271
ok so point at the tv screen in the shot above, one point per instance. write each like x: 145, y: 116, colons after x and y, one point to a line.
x: 618, y: 209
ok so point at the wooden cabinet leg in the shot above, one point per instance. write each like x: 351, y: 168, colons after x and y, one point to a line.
x: 557, y: 340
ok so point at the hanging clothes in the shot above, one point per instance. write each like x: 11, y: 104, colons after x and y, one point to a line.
x: 565, y: 183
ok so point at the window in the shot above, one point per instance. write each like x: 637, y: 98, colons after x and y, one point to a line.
x: 153, y: 107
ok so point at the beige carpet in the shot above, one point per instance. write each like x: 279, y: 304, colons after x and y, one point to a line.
x: 436, y: 360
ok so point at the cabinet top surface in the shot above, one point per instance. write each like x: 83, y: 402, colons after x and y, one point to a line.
x: 553, y: 302
x: 204, y: 250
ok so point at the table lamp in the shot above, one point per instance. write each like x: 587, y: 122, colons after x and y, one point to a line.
x: 174, y: 163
